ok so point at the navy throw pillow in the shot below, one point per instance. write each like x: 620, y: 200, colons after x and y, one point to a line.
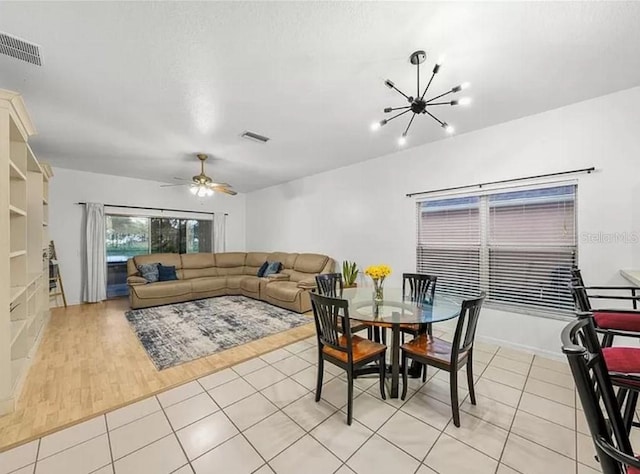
x: 167, y: 273
x: 274, y: 267
x: 149, y: 271
x: 262, y: 269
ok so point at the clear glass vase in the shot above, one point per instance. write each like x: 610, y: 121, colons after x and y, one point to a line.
x: 378, y: 290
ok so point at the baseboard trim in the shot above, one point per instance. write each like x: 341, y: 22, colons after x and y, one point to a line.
x: 521, y: 347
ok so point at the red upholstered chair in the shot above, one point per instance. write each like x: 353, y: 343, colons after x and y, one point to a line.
x: 591, y: 373
x: 609, y: 322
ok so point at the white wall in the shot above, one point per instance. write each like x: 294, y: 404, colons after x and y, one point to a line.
x: 360, y: 212
x: 69, y: 187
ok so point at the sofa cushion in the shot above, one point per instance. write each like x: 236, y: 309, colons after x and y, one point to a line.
x: 310, y: 263
x: 250, y: 283
x: 255, y: 259
x: 228, y: 271
x: 230, y: 259
x: 167, y: 259
x: 287, y: 259
x: 198, y: 260
x: 233, y: 281
x: 149, y: 271
x: 283, y: 290
x: 188, y: 273
x: 167, y: 273
x: 163, y: 289
x: 207, y: 284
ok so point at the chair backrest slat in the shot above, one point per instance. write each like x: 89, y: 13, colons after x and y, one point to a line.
x: 330, y: 284
x: 418, y: 286
x: 328, y: 313
x: 465, y: 333
x: 581, y: 346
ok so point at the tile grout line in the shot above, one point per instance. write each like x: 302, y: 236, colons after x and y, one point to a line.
x: 174, y: 432
x: 106, y: 424
x: 514, y: 419
x: 240, y: 433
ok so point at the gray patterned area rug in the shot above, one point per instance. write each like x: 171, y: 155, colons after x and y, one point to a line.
x: 178, y: 333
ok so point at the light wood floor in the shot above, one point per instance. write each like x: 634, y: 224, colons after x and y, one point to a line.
x: 90, y: 362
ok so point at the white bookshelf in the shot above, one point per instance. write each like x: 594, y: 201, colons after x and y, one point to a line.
x: 24, y: 241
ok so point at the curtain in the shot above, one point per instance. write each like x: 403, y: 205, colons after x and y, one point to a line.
x: 94, y: 287
x: 219, y: 232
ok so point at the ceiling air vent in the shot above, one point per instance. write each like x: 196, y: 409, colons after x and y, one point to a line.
x: 255, y: 137
x: 19, y: 49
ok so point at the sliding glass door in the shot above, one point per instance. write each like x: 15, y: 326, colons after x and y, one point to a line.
x: 128, y: 236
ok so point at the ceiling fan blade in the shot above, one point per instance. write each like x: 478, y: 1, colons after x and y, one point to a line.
x: 183, y: 179
x: 220, y: 185
x: 172, y: 185
x: 231, y: 192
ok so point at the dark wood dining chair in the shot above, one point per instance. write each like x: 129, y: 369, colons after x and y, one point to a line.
x: 448, y: 356
x: 332, y: 285
x: 343, y: 349
x: 595, y: 388
x: 609, y: 322
x: 417, y: 287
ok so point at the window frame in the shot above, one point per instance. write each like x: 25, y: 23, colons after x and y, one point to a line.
x: 485, y: 246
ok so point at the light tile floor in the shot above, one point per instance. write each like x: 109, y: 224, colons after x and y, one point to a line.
x: 261, y: 417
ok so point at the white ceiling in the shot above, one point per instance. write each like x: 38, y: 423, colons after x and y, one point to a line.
x: 135, y: 89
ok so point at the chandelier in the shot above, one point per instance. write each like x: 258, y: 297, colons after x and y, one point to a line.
x: 418, y: 104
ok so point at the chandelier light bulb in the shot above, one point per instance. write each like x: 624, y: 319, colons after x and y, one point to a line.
x: 402, y: 141
x: 387, y: 110
x: 464, y: 101
x: 375, y: 126
x: 389, y: 83
x: 448, y: 128
x: 465, y: 85
x: 441, y: 59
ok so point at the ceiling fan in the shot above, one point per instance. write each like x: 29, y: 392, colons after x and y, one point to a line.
x: 202, y: 185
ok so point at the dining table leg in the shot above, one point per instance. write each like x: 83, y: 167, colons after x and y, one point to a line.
x: 395, y: 360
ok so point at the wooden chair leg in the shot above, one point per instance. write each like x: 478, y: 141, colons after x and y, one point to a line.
x: 405, y: 370
x: 472, y: 390
x: 383, y: 375
x: 453, y: 381
x: 320, y: 375
x: 349, y: 395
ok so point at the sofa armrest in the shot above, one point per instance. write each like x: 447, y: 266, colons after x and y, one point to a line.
x: 307, y: 283
x: 278, y: 277
x: 136, y: 280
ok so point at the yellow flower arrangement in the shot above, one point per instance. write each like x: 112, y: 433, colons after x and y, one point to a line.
x: 378, y: 272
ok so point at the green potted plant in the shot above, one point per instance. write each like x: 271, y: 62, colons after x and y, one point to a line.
x: 350, y: 274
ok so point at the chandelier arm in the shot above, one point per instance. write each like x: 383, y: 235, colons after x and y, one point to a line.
x: 428, y: 84
x: 400, y: 92
x: 399, y: 108
x: 438, y: 96
x: 409, y: 125
x: 429, y: 104
x: 434, y: 118
x: 398, y: 115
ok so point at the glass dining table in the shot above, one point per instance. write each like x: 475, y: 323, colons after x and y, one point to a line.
x: 394, y: 310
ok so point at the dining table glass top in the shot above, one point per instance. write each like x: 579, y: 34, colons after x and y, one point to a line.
x: 398, y: 309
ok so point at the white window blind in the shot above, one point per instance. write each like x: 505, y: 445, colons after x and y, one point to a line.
x: 449, y: 242
x: 517, y: 246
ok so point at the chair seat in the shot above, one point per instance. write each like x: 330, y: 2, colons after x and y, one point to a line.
x: 619, y: 320
x: 423, y: 347
x: 362, y: 349
x: 414, y: 328
x: 622, y: 359
x: 633, y: 470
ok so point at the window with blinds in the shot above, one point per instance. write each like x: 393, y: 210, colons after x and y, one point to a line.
x: 517, y: 246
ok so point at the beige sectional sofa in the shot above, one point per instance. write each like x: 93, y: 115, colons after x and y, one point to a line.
x: 205, y: 275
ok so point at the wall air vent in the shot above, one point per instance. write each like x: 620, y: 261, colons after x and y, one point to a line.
x: 255, y: 137
x: 20, y: 49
